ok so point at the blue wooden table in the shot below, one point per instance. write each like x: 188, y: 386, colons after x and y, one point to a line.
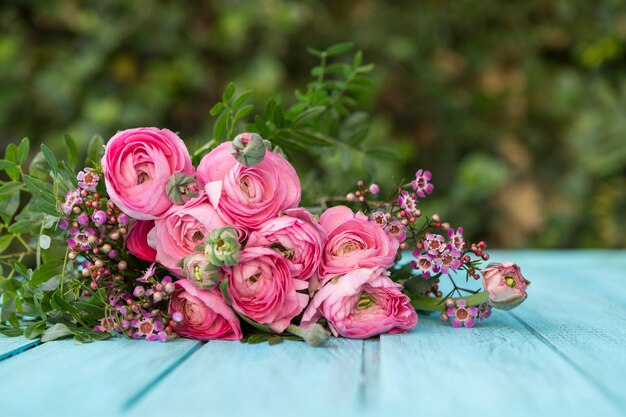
x: 562, y: 353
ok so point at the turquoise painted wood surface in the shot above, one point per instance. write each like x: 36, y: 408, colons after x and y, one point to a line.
x: 563, y: 352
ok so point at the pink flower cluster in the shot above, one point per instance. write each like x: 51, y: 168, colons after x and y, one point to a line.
x: 242, y: 227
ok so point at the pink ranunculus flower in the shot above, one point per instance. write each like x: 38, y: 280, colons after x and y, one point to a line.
x: 181, y: 230
x: 353, y: 242
x: 248, y: 196
x: 261, y: 288
x: 505, y: 284
x: 362, y: 303
x: 137, y: 164
x: 297, y: 236
x: 137, y: 240
x: 202, y: 314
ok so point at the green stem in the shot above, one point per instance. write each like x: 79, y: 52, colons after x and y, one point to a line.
x: 437, y: 304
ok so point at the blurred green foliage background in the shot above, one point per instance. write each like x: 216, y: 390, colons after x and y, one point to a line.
x: 518, y: 108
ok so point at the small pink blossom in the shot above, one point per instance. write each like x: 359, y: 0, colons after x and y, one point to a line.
x: 462, y: 315
x: 421, y: 183
x: 88, y: 179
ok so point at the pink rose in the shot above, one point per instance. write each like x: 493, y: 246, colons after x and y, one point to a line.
x: 297, y: 236
x: 353, y: 242
x: 505, y: 284
x: 260, y: 287
x: 202, y: 314
x: 137, y: 164
x: 248, y: 196
x: 181, y: 230
x: 137, y: 240
x: 361, y: 304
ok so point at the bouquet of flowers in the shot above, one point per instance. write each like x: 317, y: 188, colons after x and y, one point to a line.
x: 143, y: 243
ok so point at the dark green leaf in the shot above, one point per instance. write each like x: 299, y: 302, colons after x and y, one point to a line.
x: 339, y: 48
x: 308, y: 115
x: 57, y: 331
x: 22, y: 151
x: 39, y: 167
x: 34, y: 330
x: 228, y: 93
x: 380, y: 152
x: 39, y: 189
x: 50, y: 158
x: 219, y: 129
x: 242, y: 98
x: 215, y: 110
x: 243, y: 112
x: 5, y: 242
x: 46, y: 272
x: 11, y: 188
x: 72, y: 151
x: 8, y: 207
x: 23, y: 226
x: 4, y: 164
x: 314, y: 52
x: 11, y: 155
x: 313, y: 138
x: 95, y: 151
x: 261, y: 126
x: 9, y: 307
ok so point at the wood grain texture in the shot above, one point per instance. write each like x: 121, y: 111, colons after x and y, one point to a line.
x: 11, y: 346
x: 68, y: 379
x: 492, y: 370
x: 233, y: 379
x: 576, y: 305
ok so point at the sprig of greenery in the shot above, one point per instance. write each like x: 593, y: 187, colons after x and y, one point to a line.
x: 323, y: 117
x: 42, y: 300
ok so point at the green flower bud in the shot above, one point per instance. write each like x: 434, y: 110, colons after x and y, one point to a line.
x: 200, y: 272
x: 222, y: 246
x: 249, y: 149
x: 315, y: 334
x: 181, y: 187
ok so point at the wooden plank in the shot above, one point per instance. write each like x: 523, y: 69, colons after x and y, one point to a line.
x: 491, y: 370
x: 233, y: 379
x: 65, y: 378
x: 580, y: 313
x: 10, y: 346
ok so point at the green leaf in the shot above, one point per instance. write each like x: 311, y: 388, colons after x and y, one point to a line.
x: 8, y: 207
x: 39, y: 167
x: 39, y: 189
x: 22, y: 151
x: 10, y: 331
x: 9, y: 307
x: 313, y: 138
x: 4, y: 164
x: 261, y: 126
x: 215, y: 110
x: 34, y: 330
x: 339, y: 48
x: 314, y: 52
x: 11, y: 188
x: 45, y: 272
x: 55, y: 332
x: 5, y: 242
x: 243, y: 112
x: 11, y: 155
x: 61, y: 304
x: 50, y: 158
x: 72, y: 151
x: 380, y: 152
x: 219, y: 129
x: 23, y: 226
x: 242, y: 98
x: 95, y: 151
x: 224, y: 291
x: 228, y: 93
x: 308, y: 115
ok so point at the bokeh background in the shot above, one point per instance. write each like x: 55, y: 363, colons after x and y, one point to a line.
x: 518, y: 108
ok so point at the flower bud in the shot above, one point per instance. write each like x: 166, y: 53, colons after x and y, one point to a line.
x: 505, y: 284
x: 315, y: 334
x: 200, y: 272
x: 181, y: 187
x: 249, y: 149
x: 222, y: 246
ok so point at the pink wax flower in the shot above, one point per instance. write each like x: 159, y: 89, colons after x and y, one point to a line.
x: 202, y: 314
x: 421, y: 183
x: 505, y: 284
x: 137, y: 164
x: 353, y: 242
x: 137, y: 240
x: 295, y: 235
x: 72, y: 198
x: 88, y: 179
x: 248, y: 196
x: 462, y: 315
x: 260, y: 287
x: 181, y: 230
x: 362, y: 303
